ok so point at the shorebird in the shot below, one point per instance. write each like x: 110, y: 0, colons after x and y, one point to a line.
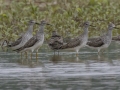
x: 78, y: 42
x: 24, y: 38
x: 55, y: 41
x: 103, y: 41
x: 35, y: 42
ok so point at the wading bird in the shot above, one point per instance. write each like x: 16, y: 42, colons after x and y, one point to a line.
x: 55, y: 42
x: 79, y: 42
x: 35, y: 42
x: 103, y: 41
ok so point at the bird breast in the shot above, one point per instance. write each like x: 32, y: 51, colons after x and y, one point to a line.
x: 39, y: 43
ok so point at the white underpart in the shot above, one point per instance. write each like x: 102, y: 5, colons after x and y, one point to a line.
x: 99, y: 48
x: 83, y: 44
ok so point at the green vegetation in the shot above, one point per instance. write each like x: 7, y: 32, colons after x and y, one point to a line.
x: 65, y: 15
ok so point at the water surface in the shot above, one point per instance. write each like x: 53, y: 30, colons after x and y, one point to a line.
x: 65, y: 71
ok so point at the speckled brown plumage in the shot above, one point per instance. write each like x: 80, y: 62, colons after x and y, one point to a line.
x: 29, y: 43
x: 71, y: 44
x: 15, y: 42
x: 95, y: 42
x: 55, y: 41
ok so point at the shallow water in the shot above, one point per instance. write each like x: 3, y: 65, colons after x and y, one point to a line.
x: 65, y: 71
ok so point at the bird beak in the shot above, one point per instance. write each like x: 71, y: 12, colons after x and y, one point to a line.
x: 37, y: 23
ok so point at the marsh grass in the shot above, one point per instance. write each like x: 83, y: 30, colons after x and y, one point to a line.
x: 66, y: 16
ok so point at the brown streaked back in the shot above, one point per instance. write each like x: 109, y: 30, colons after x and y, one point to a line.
x: 95, y: 42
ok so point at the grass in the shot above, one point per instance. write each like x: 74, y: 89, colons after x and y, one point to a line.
x: 64, y: 15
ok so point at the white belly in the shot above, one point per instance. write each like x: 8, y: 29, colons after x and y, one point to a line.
x: 80, y: 46
x: 105, y: 46
x: 37, y: 45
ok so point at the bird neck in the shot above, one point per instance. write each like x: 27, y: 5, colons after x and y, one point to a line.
x: 30, y: 28
x: 41, y: 30
x: 85, y: 32
x: 109, y: 32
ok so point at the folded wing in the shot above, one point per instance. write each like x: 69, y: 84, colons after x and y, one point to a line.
x: 71, y: 44
x: 15, y: 42
x: 95, y: 42
x: 29, y: 44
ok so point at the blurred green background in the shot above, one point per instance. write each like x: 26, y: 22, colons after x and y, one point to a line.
x: 66, y: 16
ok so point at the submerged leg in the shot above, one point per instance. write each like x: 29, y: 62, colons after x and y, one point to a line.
x: 54, y: 52
x: 58, y: 52
x: 77, y: 52
x: 37, y: 53
x: 98, y: 51
x: 103, y: 50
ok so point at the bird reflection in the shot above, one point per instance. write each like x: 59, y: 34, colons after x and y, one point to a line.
x: 56, y: 58
x: 101, y: 59
x: 59, y: 58
x: 30, y: 63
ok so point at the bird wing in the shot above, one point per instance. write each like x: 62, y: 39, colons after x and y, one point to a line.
x: 71, y: 44
x: 56, y: 45
x: 55, y: 39
x: 15, y: 42
x: 55, y: 42
x: 51, y: 41
x: 29, y: 43
x: 95, y: 42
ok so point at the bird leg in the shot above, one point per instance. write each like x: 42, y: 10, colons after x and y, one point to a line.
x: 58, y: 52
x: 54, y: 52
x: 98, y: 57
x: 98, y: 52
x: 103, y: 50
x: 77, y: 53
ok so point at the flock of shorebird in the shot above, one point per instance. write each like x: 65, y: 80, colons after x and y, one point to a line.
x: 28, y: 42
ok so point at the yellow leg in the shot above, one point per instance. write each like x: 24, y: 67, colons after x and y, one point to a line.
x: 77, y: 54
x: 98, y: 51
x: 36, y: 55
